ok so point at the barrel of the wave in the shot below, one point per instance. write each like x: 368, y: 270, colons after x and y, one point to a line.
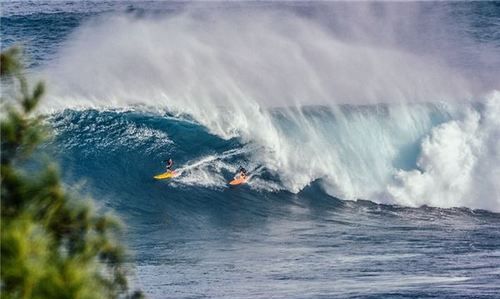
x: 166, y: 175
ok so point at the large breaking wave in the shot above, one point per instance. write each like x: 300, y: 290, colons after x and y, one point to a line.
x: 363, y: 117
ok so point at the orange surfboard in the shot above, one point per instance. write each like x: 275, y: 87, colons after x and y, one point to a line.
x: 239, y: 180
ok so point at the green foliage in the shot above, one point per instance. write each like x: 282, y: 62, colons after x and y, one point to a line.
x: 52, y: 245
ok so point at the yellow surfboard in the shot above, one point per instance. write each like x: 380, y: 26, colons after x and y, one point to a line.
x: 166, y: 175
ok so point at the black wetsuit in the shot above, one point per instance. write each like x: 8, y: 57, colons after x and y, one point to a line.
x: 170, y: 164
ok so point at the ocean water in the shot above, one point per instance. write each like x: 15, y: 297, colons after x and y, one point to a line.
x: 371, y: 132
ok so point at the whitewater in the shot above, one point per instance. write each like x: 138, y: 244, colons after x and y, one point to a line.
x: 371, y: 132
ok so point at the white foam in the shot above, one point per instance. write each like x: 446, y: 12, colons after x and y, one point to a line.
x: 459, y: 164
x: 207, y: 171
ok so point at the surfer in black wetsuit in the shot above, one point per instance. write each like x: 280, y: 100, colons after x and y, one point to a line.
x: 170, y: 163
x: 243, y: 172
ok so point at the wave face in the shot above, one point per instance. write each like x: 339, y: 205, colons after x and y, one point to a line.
x: 406, y: 155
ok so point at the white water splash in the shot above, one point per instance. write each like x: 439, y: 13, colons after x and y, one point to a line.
x: 459, y: 164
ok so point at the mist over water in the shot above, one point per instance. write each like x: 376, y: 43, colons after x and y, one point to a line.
x: 268, y: 58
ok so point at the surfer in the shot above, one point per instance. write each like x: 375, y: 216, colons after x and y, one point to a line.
x: 170, y: 163
x: 242, y: 172
x: 170, y: 173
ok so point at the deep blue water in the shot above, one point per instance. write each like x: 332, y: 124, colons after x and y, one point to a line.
x: 195, y: 237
